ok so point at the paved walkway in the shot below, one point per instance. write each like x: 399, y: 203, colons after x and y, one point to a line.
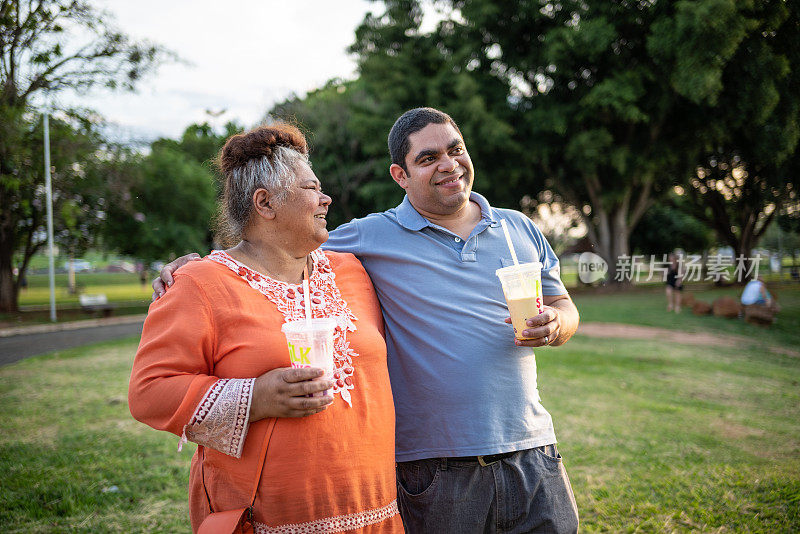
x: 21, y: 342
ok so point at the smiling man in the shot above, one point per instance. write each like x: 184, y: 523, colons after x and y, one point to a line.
x: 476, y: 450
x: 475, y: 447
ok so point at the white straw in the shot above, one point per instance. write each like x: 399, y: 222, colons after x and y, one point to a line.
x: 307, y: 297
x: 508, y: 240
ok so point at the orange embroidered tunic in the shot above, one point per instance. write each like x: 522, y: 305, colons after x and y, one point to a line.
x: 204, y: 343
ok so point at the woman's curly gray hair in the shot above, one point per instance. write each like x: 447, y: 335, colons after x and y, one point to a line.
x: 265, y: 157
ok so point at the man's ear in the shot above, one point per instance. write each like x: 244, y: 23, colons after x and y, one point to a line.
x: 263, y: 208
x: 399, y: 175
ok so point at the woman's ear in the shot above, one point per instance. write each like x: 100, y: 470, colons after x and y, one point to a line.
x: 261, y: 204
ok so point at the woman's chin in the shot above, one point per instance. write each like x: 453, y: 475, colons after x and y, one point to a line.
x: 318, y: 238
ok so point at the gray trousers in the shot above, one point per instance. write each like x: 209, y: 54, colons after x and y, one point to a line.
x: 528, y: 491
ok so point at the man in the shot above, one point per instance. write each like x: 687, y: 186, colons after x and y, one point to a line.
x: 475, y: 448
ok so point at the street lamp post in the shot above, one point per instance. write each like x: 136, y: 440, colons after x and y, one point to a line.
x: 49, y: 194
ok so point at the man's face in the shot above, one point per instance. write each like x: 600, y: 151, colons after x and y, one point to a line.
x: 439, y: 176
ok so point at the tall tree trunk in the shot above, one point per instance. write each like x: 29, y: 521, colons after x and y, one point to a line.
x: 8, y: 289
x: 71, y: 273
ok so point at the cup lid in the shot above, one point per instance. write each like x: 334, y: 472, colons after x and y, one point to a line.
x: 322, y: 324
x: 531, y: 267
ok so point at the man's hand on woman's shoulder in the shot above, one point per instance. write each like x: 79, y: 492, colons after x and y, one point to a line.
x: 164, y: 279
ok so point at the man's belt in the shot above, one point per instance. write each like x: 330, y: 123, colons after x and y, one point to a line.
x: 483, y: 460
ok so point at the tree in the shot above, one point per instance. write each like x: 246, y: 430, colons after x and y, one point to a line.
x: 610, y: 103
x: 337, y: 120
x: 665, y: 228
x: 77, y: 189
x: 750, y: 166
x: 402, y: 67
x: 163, y: 204
x: 199, y: 142
x: 37, y: 57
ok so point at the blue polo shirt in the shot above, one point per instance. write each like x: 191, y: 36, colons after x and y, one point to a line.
x: 461, y: 386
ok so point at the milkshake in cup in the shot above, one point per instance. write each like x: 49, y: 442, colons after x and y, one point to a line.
x: 522, y: 286
x: 311, y: 345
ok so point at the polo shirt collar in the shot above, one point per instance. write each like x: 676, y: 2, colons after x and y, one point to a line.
x: 410, y: 219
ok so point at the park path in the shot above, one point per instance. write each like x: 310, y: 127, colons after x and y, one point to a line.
x: 21, y: 342
x: 630, y: 331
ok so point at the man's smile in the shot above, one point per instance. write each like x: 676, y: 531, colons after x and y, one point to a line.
x: 450, y: 181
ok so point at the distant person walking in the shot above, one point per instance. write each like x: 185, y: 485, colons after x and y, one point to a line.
x: 674, y: 284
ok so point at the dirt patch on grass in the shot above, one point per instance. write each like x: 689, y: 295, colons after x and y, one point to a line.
x: 629, y: 331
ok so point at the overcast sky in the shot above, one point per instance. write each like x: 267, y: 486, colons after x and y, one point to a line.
x: 243, y: 55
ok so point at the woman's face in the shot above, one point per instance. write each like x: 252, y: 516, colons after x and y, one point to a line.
x: 303, y: 212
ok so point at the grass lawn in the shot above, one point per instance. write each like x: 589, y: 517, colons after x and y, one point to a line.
x: 647, y: 307
x: 655, y: 438
x: 123, y: 290
x: 71, y: 456
x: 118, y: 287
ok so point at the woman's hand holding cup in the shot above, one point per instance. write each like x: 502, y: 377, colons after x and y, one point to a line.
x: 283, y: 392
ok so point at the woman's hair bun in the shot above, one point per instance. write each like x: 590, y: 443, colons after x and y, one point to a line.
x: 260, y: 142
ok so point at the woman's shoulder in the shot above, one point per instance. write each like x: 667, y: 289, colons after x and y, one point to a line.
x: 347, y: 269
x: 343, y: 260
x: 204, y: 272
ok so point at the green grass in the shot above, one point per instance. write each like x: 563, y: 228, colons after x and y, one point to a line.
x: 118, y: 287
x: 647, y: 307
x: 66, y: 438
x: 679, y: 439
x: 123, y: 290
x: 656, y: 438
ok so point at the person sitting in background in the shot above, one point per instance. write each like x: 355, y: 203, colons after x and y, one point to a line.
x: 759, y: 306
x: 213, y: 365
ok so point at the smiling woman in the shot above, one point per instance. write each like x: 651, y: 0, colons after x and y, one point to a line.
x: 213, y: 365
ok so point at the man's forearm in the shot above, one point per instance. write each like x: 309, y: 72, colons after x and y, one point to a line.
x: 568, y: 319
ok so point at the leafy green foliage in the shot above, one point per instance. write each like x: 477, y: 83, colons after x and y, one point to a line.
x: 608, y: 104
x: 664, y: 228
x: 77, y: 186
x: 340, y: 123
x: 164, y: 208
x: 46, y: 47
x: 402, y: 68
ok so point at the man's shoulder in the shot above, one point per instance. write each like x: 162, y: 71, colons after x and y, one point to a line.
x: 371, y: 222
x: 508, y: 213
x: 517, y: 219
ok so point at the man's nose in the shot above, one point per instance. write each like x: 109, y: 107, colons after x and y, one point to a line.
x: 448, y: 164
x: 324, y: 199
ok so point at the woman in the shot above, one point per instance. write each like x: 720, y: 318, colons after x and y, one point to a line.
x: 213, y: 365
x: 674, y: 284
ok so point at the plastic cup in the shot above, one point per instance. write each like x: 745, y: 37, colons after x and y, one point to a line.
x: 311, y: 345
x: 522, y: 286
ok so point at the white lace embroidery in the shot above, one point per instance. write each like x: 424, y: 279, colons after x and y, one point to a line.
x: 221, y: 419
x: 340, y: 523
x: 326, y: 301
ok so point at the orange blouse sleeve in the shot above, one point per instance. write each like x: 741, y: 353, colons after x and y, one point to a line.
x: 172, y: 386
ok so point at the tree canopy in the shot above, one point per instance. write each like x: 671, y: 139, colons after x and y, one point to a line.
x: 47, y: 46
x: 163, y: 205
x: 609, y: 104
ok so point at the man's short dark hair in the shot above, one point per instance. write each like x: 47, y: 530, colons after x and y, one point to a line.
x: 411, y: 122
